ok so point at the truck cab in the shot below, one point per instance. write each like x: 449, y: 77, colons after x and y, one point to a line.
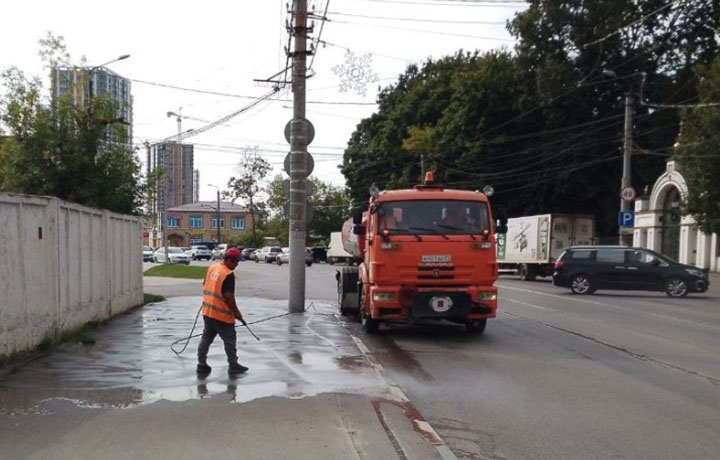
x: 427, y: 253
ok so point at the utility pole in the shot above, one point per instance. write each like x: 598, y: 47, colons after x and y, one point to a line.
x: 218, y: 216
x: 298, y: 161
x: 626, y: 239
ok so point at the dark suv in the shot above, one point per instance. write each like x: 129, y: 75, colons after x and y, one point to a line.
x: 585, y: 269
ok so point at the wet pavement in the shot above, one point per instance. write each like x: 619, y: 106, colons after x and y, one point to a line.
x: 131, y: 362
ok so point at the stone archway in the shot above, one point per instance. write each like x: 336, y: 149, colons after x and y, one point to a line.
x: 670, y: 221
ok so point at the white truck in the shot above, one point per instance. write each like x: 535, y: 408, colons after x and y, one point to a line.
x: 336, y: 252
x: 532, y: 244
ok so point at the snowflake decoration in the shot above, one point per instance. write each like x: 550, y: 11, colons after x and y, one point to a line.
x: 355, y: 73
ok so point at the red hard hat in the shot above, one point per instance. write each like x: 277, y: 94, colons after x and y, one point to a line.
x: 232, y: 253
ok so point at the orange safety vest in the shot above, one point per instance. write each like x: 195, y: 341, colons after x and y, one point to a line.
x: 213, y: 304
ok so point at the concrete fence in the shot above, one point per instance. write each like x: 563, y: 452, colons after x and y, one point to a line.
x: 63, y: 265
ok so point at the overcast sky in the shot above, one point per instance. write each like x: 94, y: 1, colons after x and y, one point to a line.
x: 221, y: 46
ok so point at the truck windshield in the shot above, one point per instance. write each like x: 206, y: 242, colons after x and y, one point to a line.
x: 427, y: 217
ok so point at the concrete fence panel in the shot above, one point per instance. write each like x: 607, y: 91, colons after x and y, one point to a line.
x: 61, y: 266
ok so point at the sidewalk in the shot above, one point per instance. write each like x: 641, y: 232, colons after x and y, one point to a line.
x: 310, y: 393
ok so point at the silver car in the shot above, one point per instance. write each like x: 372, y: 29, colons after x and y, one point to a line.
x: 176, y: 256
x: 147, y: 254
x: 198, y: 251
x: 284, y: 257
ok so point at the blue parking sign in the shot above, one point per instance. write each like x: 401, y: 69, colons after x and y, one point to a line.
x: 626, y: 218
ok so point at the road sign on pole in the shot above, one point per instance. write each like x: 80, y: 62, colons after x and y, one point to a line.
x: 307, y: 129
x: 626, y: 218
x: 628, y: 193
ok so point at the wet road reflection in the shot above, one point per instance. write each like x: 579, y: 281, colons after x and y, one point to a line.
x: 131, y: 361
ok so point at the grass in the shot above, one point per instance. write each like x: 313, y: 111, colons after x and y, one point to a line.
x: 177, y: 271
x: 76, y: 335
x: 151, y: 298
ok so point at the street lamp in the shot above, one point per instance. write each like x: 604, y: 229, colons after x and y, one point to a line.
x: 91, y: 71
x: 217, y: 211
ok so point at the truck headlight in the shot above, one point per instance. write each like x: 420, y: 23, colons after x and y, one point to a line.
x: 694, y: 272
x: 486, y: 295
x: 384, y: 296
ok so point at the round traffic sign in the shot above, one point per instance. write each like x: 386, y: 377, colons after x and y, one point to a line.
x: 309, y: 165
x: 307, y: 130
x: 628, y: 193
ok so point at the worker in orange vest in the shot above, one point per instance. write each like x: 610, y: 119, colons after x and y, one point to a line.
x: 220, y: 312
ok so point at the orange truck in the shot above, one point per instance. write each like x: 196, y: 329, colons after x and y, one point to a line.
x: 426, y: 253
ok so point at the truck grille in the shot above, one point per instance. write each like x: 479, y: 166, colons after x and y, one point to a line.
x: 436, y: 273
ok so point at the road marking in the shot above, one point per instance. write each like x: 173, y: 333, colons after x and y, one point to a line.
x: 712, y: 380
x: 420, y: 424
x: 616, y: 307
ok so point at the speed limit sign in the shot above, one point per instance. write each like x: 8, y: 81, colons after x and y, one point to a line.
x: 628, y: 194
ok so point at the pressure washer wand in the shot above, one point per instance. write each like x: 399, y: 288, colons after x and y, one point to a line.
x: 244, y: 323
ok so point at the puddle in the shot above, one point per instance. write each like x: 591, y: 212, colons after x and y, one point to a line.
x: 131, y: 362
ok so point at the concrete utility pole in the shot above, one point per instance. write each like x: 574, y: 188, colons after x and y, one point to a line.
x: 626, y: 239
x: 298, y: 162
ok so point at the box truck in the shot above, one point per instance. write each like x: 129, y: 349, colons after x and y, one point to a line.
x: 532, y: 244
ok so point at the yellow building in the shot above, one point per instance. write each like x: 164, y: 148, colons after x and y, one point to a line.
x: 192, y: 223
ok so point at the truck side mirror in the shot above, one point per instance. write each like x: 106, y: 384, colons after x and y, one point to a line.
x: 357, y: 218
x: 358, y: 229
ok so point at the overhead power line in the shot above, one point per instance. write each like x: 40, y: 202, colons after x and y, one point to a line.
x: 424, y: 31
x: 621, y: 29
x: 222, y: 120
x: 406, y: 19
x: 319, y: 36
x: 463, y: 3
x: 240, y: 96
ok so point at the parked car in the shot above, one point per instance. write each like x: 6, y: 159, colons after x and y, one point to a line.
x: 208, y: 244
x: 284, y: 257
x: 176, y: 256
x: 246, y: 253
x: 268, y: 254
x: 319, y: 254
x: 219, y: 252
x: 147, y: 254
x: 199, y: 251
x: 585, y: 269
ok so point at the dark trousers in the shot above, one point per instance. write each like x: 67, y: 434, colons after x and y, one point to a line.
x: 227, y: 333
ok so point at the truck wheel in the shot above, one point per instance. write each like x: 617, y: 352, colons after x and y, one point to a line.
x: 331, y: 260
x: 347, y: 282
x: 278, y: 261
x: 369, y: 325
x: 528, y: 272
x: 476, y: 326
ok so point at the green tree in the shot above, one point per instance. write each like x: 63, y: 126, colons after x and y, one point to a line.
x: 247, y: 185
x: 56, y: 147
x: 543, y: 125
x: 331, y: 206
x: 698, y: 154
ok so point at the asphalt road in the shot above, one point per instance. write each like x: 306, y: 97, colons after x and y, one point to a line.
x: 612, y: 375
